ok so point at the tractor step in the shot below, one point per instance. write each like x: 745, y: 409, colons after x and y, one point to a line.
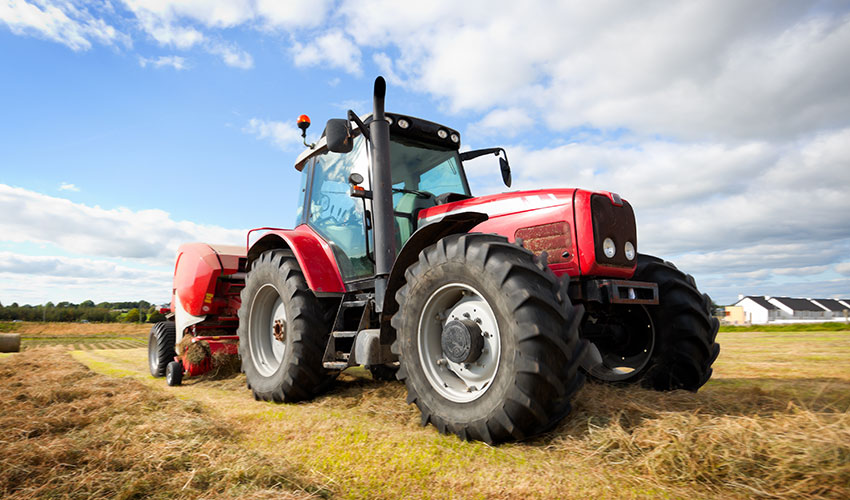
x: 335, y: 365
x: 344, y: 334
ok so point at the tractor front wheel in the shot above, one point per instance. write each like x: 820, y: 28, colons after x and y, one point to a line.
x: 282, y: 336
x: 663, y: 347
x: 488, y: 349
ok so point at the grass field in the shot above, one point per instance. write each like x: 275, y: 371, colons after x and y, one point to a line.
x: 79, y: 336
x: 774, y: 422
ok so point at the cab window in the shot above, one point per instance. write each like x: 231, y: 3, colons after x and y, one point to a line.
x: 335, y: 214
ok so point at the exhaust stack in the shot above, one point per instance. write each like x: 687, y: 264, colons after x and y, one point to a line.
x: 382, y: 201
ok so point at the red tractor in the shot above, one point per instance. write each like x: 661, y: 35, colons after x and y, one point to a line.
x: 493, y: 310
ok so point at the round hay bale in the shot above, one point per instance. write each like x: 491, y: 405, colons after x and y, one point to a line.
x: 10, y: 342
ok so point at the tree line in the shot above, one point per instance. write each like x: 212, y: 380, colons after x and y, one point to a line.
x: 103, y: 312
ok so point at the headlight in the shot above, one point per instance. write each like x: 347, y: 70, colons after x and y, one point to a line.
x: 442, y: 134
x: 609, y: 248
x: 403, y: 123
x: 630, y: 250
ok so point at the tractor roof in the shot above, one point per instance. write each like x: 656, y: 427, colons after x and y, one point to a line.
x: 418, y: 129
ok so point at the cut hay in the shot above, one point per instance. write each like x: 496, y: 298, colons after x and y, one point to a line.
x: 197, y: 352
x: 222, y: 365
x: 70, y: 433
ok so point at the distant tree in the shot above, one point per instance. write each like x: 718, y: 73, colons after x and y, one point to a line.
x: 87, y: 303
x: 132, y: 316
x: 156, y: 317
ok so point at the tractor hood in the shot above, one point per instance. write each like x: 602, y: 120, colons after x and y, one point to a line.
x: 495, y: 205
x: 570, y: 225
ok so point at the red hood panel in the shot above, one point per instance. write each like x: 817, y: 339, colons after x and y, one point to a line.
x: 503, y: 203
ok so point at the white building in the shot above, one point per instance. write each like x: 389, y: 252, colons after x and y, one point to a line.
x: 838, y: 309
x: 759, y: 310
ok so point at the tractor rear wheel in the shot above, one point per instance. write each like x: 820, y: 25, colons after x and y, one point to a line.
x: 482, y: 342
x: 161, y: 347
x: 282, y: 336
x: 664, y: 347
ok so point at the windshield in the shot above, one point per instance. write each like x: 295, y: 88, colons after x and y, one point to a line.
x: 418, y: 168
x: 420, y: 174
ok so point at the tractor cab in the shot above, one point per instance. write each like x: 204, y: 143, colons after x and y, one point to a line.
x: 426, y: 170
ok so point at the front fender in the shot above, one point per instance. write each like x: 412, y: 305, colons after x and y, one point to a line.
x: 314, y: 255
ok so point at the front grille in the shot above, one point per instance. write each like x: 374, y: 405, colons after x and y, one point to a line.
x: 617, y: 223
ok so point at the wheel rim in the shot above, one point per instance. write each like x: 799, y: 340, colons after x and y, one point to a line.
x: 153, y: 358
x: 267, y: 310
x: 623, y: 362
x: 458, y: 382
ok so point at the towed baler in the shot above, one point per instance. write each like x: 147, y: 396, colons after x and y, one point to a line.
x: 201, y: 333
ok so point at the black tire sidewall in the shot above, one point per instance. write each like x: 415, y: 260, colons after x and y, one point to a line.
x: 161, y: 347
x: 266, y: 273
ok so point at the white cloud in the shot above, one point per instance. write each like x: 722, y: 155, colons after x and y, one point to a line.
x: 27, y: 216
x: 503, y: 122
x: 696, y: 70
x: 68, y: 187
x: 176, y: 62
x: 59, y: 21
x: 843, y: 268
x: 38, y: 279
x: 232, y: 55
x: 292, y: 13
x: 333, y: 49
x: 285, y: 136
x: 73, y: 267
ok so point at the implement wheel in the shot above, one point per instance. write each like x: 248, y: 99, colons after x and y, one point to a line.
x: 666, y: 346
x: 482, y: 342
x: 161, y: 347
x: 281, y: 333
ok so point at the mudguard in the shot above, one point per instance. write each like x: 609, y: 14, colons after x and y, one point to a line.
x: 198, y: 267
x: 313, y: 253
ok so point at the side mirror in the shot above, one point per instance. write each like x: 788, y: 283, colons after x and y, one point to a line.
x: 338, y: 135
x: 503, y: 160
x: 506, y: 171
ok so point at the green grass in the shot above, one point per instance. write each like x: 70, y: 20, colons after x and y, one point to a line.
x: 7, y: 326
x: 832, y: 326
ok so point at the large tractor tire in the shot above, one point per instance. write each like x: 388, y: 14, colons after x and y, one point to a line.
x: 663, y: 347
x: 161, y: 341
x: 282, y: 335
x: 482, y: 342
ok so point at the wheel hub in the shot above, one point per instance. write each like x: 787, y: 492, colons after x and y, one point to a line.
x: 461, y: 341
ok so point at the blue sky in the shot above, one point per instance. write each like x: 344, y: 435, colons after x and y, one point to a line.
x: 131, y: 126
